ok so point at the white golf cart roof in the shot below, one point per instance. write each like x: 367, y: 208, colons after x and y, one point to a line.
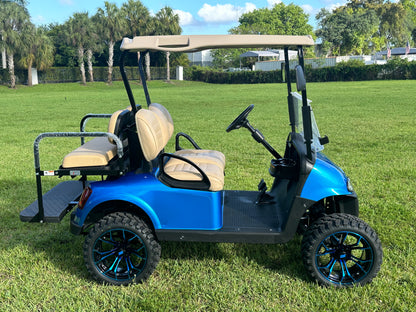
x: 194, y: 43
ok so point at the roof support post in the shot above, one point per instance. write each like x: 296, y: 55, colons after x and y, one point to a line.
x: 126, y: 82
x: 306, y: 110
x: 289, y: 90
x: 143, y: 78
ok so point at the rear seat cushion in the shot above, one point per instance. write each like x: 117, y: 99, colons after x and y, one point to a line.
x: 183, y: 171
x: 97, y: 152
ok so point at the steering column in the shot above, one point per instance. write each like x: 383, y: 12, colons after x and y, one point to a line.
x: 242, y: 121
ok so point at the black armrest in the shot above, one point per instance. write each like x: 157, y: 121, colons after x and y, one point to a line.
x: 203, y: 184
x: 186, y: 136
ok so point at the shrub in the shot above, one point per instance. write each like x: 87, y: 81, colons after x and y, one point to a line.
x: 354, y: 70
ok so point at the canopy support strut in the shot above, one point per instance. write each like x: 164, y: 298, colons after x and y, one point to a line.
x: 143, y: 78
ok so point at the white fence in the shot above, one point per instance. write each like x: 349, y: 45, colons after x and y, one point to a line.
x: 318, y: 62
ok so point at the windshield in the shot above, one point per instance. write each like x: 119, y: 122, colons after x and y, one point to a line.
x: 297, y: 103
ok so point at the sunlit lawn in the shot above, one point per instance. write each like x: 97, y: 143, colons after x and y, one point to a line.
x: 371, y: 127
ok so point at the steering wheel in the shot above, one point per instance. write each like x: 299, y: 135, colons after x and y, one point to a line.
x: 240, y: 120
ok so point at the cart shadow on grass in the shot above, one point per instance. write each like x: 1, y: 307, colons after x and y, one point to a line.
x: 65, y: 253
x: 275, y: 258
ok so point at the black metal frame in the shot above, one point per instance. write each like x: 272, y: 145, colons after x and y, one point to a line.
x: 186, y: 136
x: 87, y: 117
x: 306, y: 109
x: 127, y: 83
x: 118, y: 166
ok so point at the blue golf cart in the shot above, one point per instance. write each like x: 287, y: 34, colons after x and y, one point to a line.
x: 147, y: 195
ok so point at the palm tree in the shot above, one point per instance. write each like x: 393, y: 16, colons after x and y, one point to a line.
x: 13, y: 18
x: 77, y: 35
x: 111, y: 30
x: 93, y: 43
x: 167, y: 23
x: 39, y: 50
x: 137, y: 18
x: 3, y: 57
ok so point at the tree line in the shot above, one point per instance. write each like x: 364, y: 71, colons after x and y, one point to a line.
x: 82, y: 39
x: 367, y: 26
x: 356, y: 28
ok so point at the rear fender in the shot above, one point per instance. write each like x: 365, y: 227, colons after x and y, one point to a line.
x: 101, y: 203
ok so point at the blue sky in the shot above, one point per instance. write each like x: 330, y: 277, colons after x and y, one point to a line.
x: 197, y: 16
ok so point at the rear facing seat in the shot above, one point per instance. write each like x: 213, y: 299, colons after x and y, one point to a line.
x: 98, y: 151
x: 194, y: 169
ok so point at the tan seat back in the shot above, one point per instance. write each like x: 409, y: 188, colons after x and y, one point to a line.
x: 113, y: 123
x: 153, y: 133
x: 164, y: 117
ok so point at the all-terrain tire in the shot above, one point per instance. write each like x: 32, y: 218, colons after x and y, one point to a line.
x: 121, y: 249
x: 341, y: 250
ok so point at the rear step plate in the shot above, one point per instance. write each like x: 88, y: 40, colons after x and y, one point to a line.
x: 57, y: 203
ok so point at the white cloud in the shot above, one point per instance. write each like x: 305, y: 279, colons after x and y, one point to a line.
x: 307, y: 8
x: 224, y: 13
x: 272, y: 3
x: 250, y: 7
x: 333, y: 6
x: 185, y: 18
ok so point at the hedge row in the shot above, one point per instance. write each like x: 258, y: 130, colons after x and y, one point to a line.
x: 206, y: 74
x: 348, y: 71
x: 21, y: 76
x: 395, y: 69
x: 73, y: 74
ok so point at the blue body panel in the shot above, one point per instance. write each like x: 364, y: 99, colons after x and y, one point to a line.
x: 183, y: 209
x: 326, y: 179
x: 168, y: 208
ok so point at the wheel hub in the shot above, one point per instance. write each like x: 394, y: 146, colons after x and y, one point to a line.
x: 342, y: 252
x: 119, y: 254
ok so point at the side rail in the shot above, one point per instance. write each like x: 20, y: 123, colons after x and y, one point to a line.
x: 41, y: 136
x: 120, y: 169
x: 87, y: 117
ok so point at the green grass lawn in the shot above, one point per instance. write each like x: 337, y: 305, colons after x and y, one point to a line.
x: 372, y: 132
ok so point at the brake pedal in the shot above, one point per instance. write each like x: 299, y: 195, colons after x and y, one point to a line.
x: 263, y: 197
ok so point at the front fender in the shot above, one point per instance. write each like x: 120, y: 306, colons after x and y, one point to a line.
x: 326, y: 179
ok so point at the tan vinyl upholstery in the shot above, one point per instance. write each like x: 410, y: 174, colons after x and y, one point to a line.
x: 163, y: 114
x: 195, y: 155
x: 153, y: 135
x: 155, y: 129
x: 96, y: 152
x: 208, y: 156
x: 112, y: 124
x: 184, y: 171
